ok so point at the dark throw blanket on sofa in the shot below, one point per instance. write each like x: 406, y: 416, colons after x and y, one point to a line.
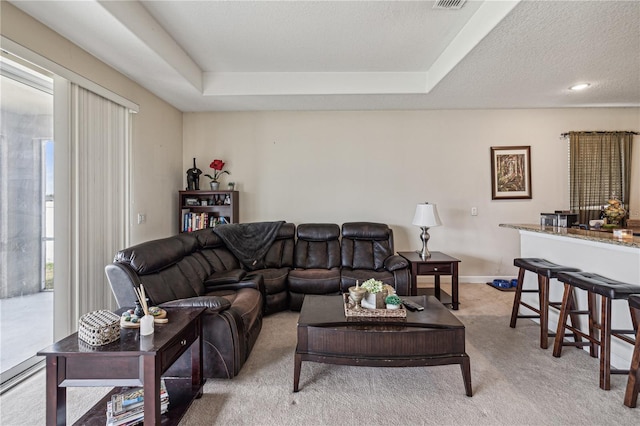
x: 249, y: 242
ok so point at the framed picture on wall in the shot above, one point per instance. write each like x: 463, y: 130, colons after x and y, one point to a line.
x: 510, y: 172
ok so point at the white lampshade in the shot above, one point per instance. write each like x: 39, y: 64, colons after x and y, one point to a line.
x: 426, y: 215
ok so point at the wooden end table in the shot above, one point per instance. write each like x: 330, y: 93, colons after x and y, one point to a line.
x: 133, y: 360
x: 438, y: 264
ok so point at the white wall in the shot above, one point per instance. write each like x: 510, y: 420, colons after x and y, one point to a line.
x: 156, y: 172
x: 376, y: 166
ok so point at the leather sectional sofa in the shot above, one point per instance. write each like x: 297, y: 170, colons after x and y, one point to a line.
x: 241, y: 272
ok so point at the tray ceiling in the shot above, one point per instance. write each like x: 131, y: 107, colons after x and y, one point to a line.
x: 362, y: 55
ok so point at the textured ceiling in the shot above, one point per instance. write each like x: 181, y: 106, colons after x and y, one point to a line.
x: 362, y: 55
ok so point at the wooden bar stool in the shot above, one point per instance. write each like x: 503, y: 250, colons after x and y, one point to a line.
x: 633, y: 384
x: 546, y: 271
x: 608, y: 290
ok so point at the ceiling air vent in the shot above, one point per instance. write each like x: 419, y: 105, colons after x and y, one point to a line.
x: 448, y: 4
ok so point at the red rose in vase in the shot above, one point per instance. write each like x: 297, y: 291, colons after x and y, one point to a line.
x: 217, y: 166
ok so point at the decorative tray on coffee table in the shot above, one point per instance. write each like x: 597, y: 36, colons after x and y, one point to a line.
x: 351, y: 311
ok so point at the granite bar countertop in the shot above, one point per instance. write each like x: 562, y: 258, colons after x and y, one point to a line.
x: 604, y: 236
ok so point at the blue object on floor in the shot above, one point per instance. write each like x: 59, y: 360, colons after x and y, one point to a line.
x: 501, y: 283
x: 514, y: 282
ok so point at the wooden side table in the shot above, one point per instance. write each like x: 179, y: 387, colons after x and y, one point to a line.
x: 133, y: 360
x: 438, y: 264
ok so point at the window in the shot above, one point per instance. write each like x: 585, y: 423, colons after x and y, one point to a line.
x: 599, y: 168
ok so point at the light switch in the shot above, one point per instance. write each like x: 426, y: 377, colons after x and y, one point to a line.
x: 474, y: 211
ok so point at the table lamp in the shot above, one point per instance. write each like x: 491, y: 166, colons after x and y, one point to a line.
x: 426, y: 217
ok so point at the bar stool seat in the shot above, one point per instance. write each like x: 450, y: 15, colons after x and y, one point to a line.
x: 633, y: 384
x: 546, y: 271
x: 608, y: 290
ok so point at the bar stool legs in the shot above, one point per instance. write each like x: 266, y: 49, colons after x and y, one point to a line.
x: 568, y: 309
x: 516, y: 299
x: 543, y: 297
x: 633, y: 383
x: 608, y: 290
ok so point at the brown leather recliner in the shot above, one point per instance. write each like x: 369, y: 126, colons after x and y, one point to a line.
x: 173, y: 271
x: 367, y: 252
x: 316, y: 262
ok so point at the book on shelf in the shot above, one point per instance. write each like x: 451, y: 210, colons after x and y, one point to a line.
x: 195, y: 221
x: 127, y: 407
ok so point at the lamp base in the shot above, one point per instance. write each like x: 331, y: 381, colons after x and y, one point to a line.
x: 424, y: 236
x: 424, y: 255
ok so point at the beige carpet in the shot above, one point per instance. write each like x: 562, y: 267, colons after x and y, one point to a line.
x: 514, y: 383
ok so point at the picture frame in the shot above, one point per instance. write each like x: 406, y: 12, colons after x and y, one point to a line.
x: 510, y: 172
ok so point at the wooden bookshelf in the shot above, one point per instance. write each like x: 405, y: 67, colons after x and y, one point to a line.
x: 205, y: 209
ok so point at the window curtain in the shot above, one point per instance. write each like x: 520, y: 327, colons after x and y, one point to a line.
x: 99, y: 158
x: 599, y: 168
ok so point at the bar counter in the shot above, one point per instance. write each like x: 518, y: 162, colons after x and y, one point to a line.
x: 602, y: 236
x: 598, y: 252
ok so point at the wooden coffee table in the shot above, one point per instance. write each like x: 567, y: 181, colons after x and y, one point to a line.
x: 133, y: 360
x: 430, y: 337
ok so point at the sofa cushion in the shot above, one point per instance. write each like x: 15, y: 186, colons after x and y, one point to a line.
x: 275, y: 280
x: 317, y: 246
x: 318, y: 231
x: 366, y: 245
x: 280, y: 254
x: 314, y: 281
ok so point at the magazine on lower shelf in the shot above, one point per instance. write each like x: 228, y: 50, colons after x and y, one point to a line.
x: 127, y: 407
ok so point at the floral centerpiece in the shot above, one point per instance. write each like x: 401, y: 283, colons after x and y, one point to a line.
x: 376, y: 293
x: 373, y: 286
x: 217, y: 166
x: 614, y: 212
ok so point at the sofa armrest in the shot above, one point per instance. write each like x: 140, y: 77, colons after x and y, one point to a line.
x: 395, y: 262
x: 229, y: 276
x: 214, y: 304
x: 247, y: 281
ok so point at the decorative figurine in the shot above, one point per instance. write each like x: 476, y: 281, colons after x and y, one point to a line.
x: 357, y: 293
x: 193, y: 178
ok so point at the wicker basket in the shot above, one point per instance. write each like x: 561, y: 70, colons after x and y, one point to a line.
x: 364, y: 313
x: 99, y: 328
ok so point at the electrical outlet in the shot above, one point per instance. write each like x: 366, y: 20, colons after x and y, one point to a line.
x: 474, y: 211
x: 142, y: 218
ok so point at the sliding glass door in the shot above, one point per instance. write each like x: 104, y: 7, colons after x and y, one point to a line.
x: 26, y: 216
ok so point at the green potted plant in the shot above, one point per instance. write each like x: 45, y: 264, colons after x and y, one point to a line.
x: 393, y: 301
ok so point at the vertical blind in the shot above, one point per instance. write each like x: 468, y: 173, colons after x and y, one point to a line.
x: 600, y: 168
x: 100, y: 134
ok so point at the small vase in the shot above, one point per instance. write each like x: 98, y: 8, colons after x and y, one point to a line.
x: 146, y: 325
x: 214, y: 186
x: 376, y: 300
